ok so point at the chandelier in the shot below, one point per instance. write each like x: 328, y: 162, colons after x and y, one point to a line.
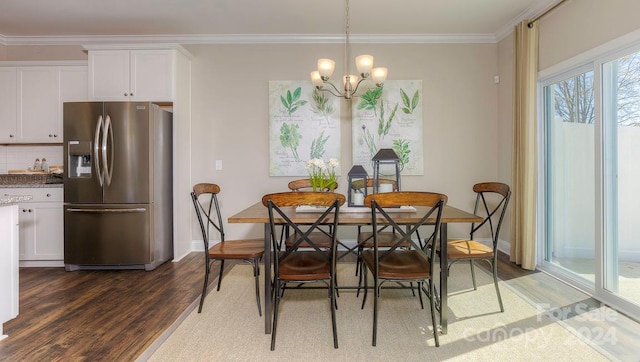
x: 364, y: 65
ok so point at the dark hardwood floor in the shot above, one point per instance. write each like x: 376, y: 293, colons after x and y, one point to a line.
x: 109, y: 315
x: 98, y: 315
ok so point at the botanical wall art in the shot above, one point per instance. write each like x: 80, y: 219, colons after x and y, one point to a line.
x: 389, y: 117
x: 304, y: 124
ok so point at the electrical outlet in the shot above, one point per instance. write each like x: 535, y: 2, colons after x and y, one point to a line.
x: 218, y: 165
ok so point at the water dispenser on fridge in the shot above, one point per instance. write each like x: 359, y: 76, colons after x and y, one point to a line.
x: 79, y: 159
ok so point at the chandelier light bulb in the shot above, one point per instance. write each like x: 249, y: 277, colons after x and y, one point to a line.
x: 379, y: 75
x: 316, y: 79
x: 326, y: 67
x: 364, y: 63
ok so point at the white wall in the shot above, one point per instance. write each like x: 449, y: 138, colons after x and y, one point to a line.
x: 580, y: 25
x: 230, y: 116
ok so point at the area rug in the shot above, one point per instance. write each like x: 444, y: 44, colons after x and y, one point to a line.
x: 229, y: 328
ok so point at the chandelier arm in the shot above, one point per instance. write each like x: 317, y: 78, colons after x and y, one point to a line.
x: 357, y: 85
x: 339, y: 94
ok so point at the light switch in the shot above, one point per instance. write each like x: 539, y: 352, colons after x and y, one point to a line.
x: 218, y: 165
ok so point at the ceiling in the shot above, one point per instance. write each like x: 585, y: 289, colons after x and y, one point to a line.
x: 65, y: 21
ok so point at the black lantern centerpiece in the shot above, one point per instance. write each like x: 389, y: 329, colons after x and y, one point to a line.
x: 385, y: 156
x: 357, y: 186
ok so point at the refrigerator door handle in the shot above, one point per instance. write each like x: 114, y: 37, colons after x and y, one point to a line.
x: 96, y: 151
x: 108, y: 167
x: 137, y: 209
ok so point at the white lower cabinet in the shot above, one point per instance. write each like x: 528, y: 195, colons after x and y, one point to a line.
x: 41, y: 226
x: 8, y: 264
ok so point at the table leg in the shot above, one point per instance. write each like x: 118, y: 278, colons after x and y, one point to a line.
x: 443, y: 278
x: 268, y: 300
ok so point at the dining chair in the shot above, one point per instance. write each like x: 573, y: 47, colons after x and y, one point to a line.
x: 319, y: 238
x: 205, y: 202
x: 399, y: 264
x: 365, y: 237
x: 311, y: 263
x: 492, y: 199
x: 305, y: 185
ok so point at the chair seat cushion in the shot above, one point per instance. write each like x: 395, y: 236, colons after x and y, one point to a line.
x: 465, y: 249
x: 385, y: 239
x: 305, y: 265
x: 320, y: 239
x: 237, y: 249
x: 399, y: 264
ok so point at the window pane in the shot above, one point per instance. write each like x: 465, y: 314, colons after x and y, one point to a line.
x: 621, y: 110
x: 570, y: 174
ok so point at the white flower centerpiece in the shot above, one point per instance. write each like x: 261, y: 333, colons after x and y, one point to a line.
x: 323, y: 176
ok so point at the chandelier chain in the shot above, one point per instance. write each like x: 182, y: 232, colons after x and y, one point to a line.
x: 346, y: 44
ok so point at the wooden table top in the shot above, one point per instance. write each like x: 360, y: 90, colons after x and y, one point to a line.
x: 258, y: 213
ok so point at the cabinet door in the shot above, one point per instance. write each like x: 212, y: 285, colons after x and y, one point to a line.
x: 27, y: 231
x: 109, y: 75
x: 41, y: 231
x: 39, y: 105
x: 152, y: 75
x: 8, y: 105
x: 8, y: 263
x: 49, y: 231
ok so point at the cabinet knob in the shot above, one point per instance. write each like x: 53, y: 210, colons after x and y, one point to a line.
x: 30, y: 210
x: 48, y: 195
x: 131, y: 94
x: 125, y: 94
x: 24, y: 210
x: 55, y: 136
x: 10, y: 136
x: 50, y: 136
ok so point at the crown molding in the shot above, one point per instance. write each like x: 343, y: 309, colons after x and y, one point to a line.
x: 532, y: 12
x: 247, y: 39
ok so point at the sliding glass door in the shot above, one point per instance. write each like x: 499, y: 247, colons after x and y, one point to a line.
x: 570, y: 174
x: 621, y: 151
x: 591, y: 233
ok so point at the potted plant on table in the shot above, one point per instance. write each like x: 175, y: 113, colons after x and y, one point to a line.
x: 323, y: 176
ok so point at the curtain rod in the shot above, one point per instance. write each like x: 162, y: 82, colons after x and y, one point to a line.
x: 530, y: 25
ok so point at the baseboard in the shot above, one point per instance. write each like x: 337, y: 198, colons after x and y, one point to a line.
x: 41, y: 263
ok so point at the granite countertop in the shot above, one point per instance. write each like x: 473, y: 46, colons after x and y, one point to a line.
x: 7, y: 200
x: 18, y: 180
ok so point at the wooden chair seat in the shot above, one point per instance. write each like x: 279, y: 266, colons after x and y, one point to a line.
x: 238, y: 249
x: 401, y: 265
x: 465, y: 249
x: 305, y: 266
x: 385, y: 239
x: 319, y: 238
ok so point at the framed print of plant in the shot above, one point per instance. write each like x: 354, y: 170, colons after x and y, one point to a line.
x: 304, y: 124
x: 389, y: 117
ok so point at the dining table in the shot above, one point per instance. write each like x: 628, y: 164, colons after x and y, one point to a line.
x: 258, y: 214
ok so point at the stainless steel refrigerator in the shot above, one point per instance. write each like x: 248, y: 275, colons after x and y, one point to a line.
x: 117, y: 185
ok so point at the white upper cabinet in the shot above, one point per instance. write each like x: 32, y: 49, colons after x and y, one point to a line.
x: 31, y: 98
x: 132, y: 75
x: 39, y: 105
x: 8, y: 105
